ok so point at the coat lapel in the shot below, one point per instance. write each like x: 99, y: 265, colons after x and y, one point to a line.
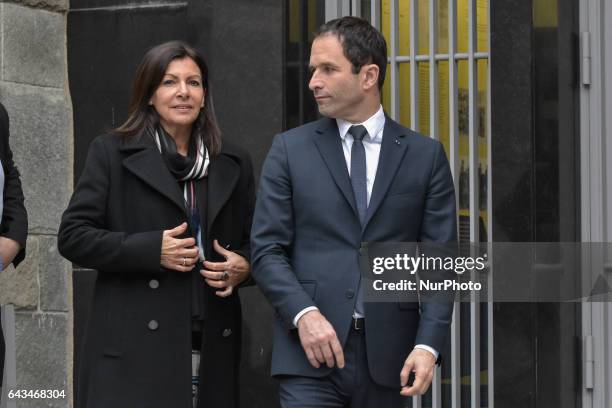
x: 223, y: 174
x: 330, y: 147
x: 146, y: 163
x: 393, y: 148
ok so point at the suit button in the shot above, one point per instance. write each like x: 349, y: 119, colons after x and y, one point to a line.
x: 153, y: 325
x: 154, y: 284
x: 349, y: 293
x: 227, y: 332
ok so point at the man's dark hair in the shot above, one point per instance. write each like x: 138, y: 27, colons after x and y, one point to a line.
x: 362, y: 44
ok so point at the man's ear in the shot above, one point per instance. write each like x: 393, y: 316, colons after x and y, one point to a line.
x: 370, y: 74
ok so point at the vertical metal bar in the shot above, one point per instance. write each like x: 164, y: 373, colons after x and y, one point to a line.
x: 345, y: 8
x: 490, y: 342
x: 7, y: 316
x: 414, y: 78
x: 453, y: 122
x: 474, y: 199
x: 473, y: 123
x: 303, y: 6
x: 394, y: 31
x: 453, y: 138
x: 416, y: 401
x: 456, y: 355
x: 375, y: 11
x: 356, y: 8
x: 593, y: 196
x: 333, y: 9
x: 433, y: 70
x: 436, y: 389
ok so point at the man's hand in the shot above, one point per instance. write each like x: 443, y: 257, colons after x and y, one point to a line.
x: 8, y: 251
x: 319, y: 340
x: 422, y: 362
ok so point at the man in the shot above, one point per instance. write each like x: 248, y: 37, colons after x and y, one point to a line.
x: 355, y: 176
x: 14, y: 221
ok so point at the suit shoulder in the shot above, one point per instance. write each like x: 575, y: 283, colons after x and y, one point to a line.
x: 418, y: 140
x: 305, y: 131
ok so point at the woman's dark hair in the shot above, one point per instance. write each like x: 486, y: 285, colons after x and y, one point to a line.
x: 142, y: 117
x: 361, y: 43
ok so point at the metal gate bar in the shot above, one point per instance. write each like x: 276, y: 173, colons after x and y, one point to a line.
x: 9, y: 381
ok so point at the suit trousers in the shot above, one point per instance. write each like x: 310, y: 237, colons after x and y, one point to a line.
x: 350, y: 387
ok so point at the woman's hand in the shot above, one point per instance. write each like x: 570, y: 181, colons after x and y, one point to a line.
x: 8, y: 251
x: 176, y: 253
x: 226, y: 275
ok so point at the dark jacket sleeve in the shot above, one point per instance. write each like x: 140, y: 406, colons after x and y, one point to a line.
x: 272, y: 237
x: 14, y: 216
x: 84, y: 237
x: 439, y: 225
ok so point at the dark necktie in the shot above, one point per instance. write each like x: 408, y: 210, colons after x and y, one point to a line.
x: 360, y: 190
x: 358, y: 170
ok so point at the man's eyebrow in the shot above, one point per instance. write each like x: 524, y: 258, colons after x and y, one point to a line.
x: 324, y: 65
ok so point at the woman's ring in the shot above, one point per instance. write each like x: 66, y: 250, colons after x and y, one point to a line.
x: 184, y: 261
x: 225, y: 276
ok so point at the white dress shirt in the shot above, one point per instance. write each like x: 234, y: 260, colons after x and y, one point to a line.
x: 372, y: 143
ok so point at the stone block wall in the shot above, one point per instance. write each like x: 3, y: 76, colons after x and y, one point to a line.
x: 34, y: 90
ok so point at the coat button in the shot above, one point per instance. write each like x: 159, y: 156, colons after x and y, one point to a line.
x: 154, y: 284
x: 227, y: 332
x: 363, y: 249
x: 349, y: 293
x: 153, y: 325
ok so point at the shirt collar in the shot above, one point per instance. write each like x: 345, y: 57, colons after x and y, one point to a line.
x: 374, y: 124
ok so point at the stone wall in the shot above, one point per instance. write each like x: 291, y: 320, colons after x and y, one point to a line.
x: 34, y: 89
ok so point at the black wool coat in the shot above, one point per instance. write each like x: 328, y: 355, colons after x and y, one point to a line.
x: 138, y: 342
x: 14, y: 223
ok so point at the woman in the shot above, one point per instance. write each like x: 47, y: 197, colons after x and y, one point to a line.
x: 157, y: 197
x: 13, y: 216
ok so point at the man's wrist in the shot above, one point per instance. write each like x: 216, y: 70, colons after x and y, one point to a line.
x: 298, y: 316
x: 429, y: 349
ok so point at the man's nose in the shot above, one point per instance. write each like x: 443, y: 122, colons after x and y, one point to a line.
x: 315, y: 82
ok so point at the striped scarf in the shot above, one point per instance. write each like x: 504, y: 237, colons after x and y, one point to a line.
x: 184, y: 168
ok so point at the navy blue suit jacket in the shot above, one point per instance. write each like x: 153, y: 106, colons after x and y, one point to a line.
x: 307, y: 236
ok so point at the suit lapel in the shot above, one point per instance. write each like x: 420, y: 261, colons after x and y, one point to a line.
x: 330, y: 147
x: 223, y: 174
x: 392, y: 151
x: 146, y: 163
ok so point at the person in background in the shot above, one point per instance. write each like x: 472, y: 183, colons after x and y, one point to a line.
x: 163, y: 212
x: 13, y: 215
